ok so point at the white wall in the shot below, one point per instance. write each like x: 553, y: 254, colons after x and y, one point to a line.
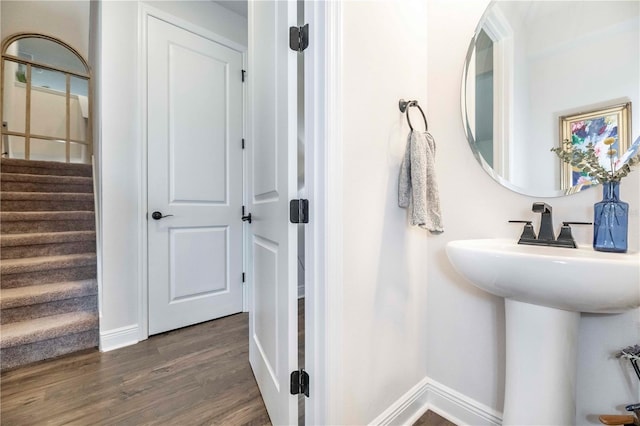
x: 465, y: 335
x: 120, y: 151
x: 123, y: 216
x: 384, y: 53
x: 66, y: 20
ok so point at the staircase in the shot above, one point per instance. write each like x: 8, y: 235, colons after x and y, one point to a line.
x: 48, y: 289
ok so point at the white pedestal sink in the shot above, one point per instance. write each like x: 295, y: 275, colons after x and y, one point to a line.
x: 545, y: 289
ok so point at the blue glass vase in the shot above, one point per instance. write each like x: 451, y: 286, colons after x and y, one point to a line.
x: 611, y: 220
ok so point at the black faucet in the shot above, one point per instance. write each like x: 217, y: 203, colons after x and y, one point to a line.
x: 546, y: 222
x: 546, y: 236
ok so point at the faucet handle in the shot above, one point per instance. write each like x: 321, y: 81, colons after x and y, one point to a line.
x: 527, y: 233
x: 565, y: 233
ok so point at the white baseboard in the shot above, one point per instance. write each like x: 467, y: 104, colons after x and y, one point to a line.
x: 119, y: 337
x: 431, y: 395
x: 459, y: 408
x: 408, y: 408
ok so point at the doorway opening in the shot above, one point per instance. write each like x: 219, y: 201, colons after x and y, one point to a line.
x: 277, y: 329
x: 195, y: 176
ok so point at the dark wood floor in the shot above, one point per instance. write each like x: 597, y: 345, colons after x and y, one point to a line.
x: 192, y: 376
x: 432, y: 419
x: 195, y: 375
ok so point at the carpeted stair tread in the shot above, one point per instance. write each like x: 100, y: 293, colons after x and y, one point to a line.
x: 13, y: 165
x: 17, y: 356
x: 34, y: 330
x: 43, y: 293
x: 47, y: 221
x: 33, y: 264
x: 55, y: 307
x: 23, y: 182
x: 20, y: 201
x: 46, y: 196
x: 45, y: 216
x: 78, y: 273
x: 49, y: 179
x: 42, y: 250
x: 37, y: 238
x: 32, y: 222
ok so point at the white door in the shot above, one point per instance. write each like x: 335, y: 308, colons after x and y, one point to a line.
x: 194, y: 105
x: 272, y: 239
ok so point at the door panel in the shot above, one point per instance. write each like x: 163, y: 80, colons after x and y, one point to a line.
x: 272, y: 182
x: 198, y: 115
x: 190, y: 277
x: 265, y: 336
x: 264, y: 101
x: 194, y: 107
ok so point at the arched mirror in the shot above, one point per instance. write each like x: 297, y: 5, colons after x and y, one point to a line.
x: 45, y: 105
x: 538, y: 70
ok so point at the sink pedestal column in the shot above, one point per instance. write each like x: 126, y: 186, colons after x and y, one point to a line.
x: 541, y: 362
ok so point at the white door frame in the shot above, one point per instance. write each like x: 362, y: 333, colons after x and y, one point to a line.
x: 323, y: 180
x: 144, y: 11
x: 323, y: 235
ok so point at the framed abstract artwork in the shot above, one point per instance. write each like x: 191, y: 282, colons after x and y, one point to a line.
x: 594, y: 127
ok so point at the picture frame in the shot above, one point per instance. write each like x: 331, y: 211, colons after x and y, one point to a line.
x: 594, y: 127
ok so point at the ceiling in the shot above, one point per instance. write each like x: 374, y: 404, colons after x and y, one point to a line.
x: 237, y: 6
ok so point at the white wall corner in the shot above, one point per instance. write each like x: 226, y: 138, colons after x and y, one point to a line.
x: 459, y: 408
x: 408, y: 408
x: 431, y: 395
x: 119, y: 337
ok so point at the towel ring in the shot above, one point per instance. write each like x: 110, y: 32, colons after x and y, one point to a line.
x: 404, y: 107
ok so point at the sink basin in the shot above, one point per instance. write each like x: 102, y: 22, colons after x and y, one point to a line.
x: 545, y: 289
x: 580, y: 280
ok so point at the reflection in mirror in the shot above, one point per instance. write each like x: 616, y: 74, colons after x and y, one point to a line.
x: 46, y: 52
x: 45, y: 100
x: 79, y: 109
x: 484, y: 97
x: 79, y: 153
x: 48, y: 107
x: 15, y: 96
x: 531, y: 63
x: 47, y: 149
x: 13, y: 146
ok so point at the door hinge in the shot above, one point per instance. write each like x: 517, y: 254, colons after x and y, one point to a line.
x: 246, y: 218
x: 299, y: 211
x: 300, y: 382
x: 244, y: 73
x: 299, y: 38
x: 242, y: 143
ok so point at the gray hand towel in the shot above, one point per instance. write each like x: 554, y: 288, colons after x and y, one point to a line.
x: 418, y: 182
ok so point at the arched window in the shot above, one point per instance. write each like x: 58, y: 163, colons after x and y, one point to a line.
x: 46, y: 105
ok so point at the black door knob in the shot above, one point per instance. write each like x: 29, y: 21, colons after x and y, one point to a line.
x: 159, y: 215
